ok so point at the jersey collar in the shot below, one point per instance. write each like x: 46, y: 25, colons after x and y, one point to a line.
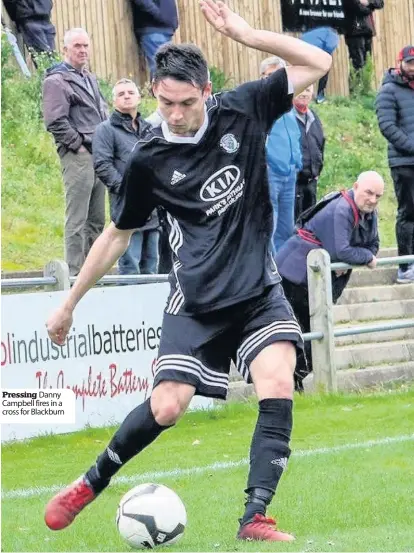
x: 186, y: 139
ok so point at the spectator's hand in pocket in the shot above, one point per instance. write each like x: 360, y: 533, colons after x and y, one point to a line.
x: 340, y: 272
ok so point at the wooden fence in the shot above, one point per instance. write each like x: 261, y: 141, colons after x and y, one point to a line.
x: 115, y: 52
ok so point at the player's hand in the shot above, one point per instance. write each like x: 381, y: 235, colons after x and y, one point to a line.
x: 58, y: 325
x: 373, y: 263
x: 224, y: 20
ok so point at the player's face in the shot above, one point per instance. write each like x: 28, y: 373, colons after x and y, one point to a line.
x: 408, y: 68
x: 126, y: 97
x: 367, y: 195
x: 181, y: 105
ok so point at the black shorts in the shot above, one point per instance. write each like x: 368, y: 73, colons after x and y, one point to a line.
x: 197, y: 350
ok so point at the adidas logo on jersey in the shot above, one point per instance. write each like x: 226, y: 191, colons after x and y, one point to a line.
x: 176, y: 177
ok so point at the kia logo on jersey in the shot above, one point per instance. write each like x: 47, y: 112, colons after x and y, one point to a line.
x: 220, y: 184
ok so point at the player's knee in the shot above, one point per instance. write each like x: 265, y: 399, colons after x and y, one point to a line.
x: 167, y: 411
x: 278, y: 384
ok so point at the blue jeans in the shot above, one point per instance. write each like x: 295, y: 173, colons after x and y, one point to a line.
x: 150, y: 43
x: 282, y: 196
x: 141, y: 257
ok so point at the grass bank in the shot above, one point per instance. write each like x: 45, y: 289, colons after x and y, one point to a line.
x: 32, y: 191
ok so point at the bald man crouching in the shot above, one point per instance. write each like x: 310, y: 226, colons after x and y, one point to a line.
x: 345, y: 224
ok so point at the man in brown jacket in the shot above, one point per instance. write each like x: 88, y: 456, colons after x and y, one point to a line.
x: 73, y: 107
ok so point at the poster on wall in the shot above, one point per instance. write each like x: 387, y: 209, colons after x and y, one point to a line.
x: 301, y: 15
x: 108, y: 359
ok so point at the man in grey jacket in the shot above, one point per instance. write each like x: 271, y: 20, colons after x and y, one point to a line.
x: 73, y: 107
x: 395, y: 112
x: 113, y: 143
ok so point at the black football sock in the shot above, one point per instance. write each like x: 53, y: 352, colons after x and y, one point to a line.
x: 269, y: 454
x: 138, y: 430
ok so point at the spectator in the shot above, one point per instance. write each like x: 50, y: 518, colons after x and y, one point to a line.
x: 313, y: 147
x: 113, y: 142
x: 284, y: 160
x: 360, y: 28
x: 346, y: 226
x: 155, y: 23
x: 326, y: 39
x: 32, y: 18
x: 73, y: 107
x: 395, y: 112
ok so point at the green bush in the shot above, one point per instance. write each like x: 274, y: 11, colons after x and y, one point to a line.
x: 219, y: 80
x: 361, y: 82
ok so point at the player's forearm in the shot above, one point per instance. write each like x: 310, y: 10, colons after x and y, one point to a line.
x: 107, y: 248
x: 294, y: 51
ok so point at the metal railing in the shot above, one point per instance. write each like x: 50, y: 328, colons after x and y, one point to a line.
x: 323, y: 333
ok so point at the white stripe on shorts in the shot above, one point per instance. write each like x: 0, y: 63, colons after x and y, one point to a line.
x: 260, y: 336
x: 190, y: 365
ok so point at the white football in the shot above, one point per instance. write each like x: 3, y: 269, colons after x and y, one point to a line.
x: 151, y: 515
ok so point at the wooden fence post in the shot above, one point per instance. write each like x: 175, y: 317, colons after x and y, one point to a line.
x: 321, y: 319
x: 60, y: 270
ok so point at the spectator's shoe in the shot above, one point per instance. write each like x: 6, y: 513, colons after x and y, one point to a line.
x: 405, y: 277
x: 262, y: 529
x: 320, y: 98
x: 63, y: 508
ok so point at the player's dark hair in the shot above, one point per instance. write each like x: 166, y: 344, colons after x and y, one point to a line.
x: 183, y: 62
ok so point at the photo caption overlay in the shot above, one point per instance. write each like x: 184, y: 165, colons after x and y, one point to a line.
x: 38, y: 406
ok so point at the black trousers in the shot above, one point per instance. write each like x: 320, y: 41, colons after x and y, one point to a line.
x: 359, y: 47
x: 403, y: 178
x: 164, y: 252
x: 323, y: 83
x: 298, y: 297
x: 305, y: 195
x: 38, y: 33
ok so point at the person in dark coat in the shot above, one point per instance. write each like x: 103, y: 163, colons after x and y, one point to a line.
x: 32, y: 18
x: 155, y: 22
x: 395, y: 112
x: 313, y: 147
x: 347, y: 228
x: 360, y: 29
x: 73, y: 107
x: 113, y: 143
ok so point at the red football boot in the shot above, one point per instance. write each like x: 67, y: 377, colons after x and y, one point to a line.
x: 63, y: 508
x: 262, y: 529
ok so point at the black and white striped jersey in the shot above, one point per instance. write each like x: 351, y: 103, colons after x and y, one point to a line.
x: 215, y: 190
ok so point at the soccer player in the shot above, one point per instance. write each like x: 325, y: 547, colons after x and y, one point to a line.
x: 206, y: 166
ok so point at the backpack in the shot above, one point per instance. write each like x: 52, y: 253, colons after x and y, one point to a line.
x: 307, y: 215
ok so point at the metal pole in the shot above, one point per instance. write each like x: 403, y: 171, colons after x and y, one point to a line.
x: 321, y: 319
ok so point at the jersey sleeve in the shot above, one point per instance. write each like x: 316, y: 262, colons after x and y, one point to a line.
x: 135, y: 201
x: 264, y: 100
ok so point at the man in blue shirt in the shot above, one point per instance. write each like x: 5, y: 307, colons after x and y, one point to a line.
x: 284, y: 160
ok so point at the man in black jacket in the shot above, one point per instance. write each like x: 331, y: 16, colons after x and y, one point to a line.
x: 313, y: 146
x: 113, y: 143
x: 155, y: 22
x: 395, y: 112
x: 360, y: 28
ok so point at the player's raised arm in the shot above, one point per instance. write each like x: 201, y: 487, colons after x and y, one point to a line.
x: 308, y: 63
